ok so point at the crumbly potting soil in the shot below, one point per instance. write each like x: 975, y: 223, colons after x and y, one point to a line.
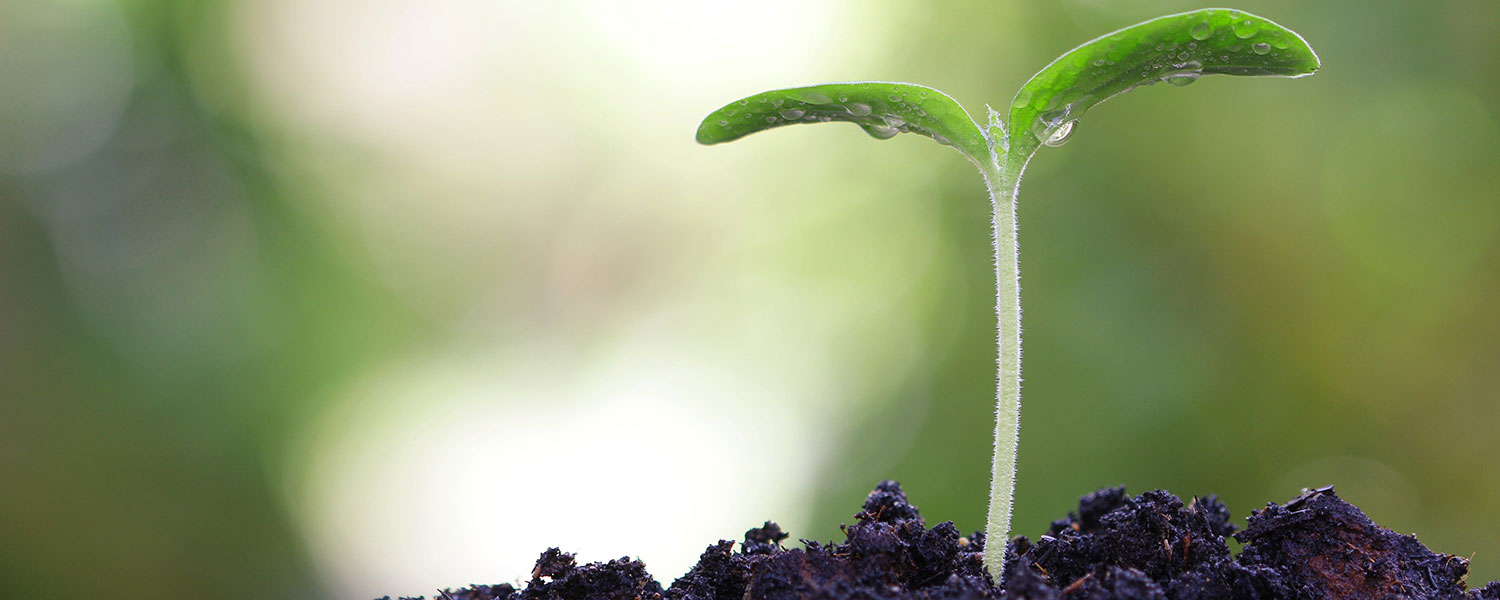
x: 1116, y: 547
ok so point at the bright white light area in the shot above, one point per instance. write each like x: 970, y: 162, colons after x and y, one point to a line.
x: 464, y: 86
x: 464, y: 470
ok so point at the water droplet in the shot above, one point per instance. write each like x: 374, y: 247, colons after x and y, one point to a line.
x: 744, y: 103
x: 858, y: 109
x: 1022, y: 99
x: 843, y: 98
x: 1201, y: 31
x: 921, y: 112
x: 942, y: 140
x: 778, y: 102
x: 1236, y: 47
x: 882, y: 132
x: 770, y: 119
x: 1281, y: 44
x: 792, y: 114
x: 1098, y: 62
x: 1261, y: 48
x: 893, y: 120
x: 1060, y: 135
x: 1159, y: 47
x: 723, y: 123
x: 1181, y: 79
x: 811, y: 97
x: 1183, y: 56
x: 895, y: 98
x: 824, y: 118
x: 1192, y: 45
x: 1245, y: 29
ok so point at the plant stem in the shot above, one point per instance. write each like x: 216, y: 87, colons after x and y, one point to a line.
x: 1002, y: 183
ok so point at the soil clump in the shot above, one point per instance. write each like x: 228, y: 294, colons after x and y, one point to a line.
x: 1116, y: 547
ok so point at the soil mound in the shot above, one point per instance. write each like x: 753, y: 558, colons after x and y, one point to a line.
x: 1116, y: 547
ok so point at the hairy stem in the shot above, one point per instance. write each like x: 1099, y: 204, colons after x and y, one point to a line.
x: 1003, y: 183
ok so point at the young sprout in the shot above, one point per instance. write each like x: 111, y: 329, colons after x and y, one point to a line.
x: 1177, y: 49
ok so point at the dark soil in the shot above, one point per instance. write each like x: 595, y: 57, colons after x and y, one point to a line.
x: 1116, y: 547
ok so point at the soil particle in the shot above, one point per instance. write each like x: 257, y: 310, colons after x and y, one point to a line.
x: 1116, y: 547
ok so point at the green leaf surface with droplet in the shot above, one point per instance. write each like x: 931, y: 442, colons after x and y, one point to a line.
x: 1176, y: 48
x: 882, y: 109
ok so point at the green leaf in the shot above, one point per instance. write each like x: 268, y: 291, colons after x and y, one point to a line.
x: 1175, y: 48
x: 882, y: 109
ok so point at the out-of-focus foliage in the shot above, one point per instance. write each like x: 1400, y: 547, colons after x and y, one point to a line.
x: 285, y: 285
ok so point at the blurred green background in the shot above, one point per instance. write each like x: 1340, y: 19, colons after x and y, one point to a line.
x: 345, y: 298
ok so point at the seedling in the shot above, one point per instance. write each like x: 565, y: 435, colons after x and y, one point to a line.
x: 1177, y: 49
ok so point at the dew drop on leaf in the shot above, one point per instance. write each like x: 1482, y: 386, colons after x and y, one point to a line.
x: 1201, y: 31
x: 1060, y: 135
x: 1245, y: 29
x: 1181, y: 79
x: 1023, y: 98
x: 723, y: 123
x: 858, y: 109
x: 882, y: 132
x: 895, y: 98
x: 770, y: 119
x: 1261, y: 48
x: 893, y: 120
x: 811, y: 97
x: 792, y: 114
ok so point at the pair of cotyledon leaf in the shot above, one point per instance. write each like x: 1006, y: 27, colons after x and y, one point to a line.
x: 1177, y: 49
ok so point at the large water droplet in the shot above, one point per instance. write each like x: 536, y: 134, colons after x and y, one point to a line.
x: 858, y: 109
x: 1023, y: 98
x: 1201, y: 31
x: 792, y: 114
x: 1261, y: 48
x: 893, y: 120
x: 1245, y: 29
x: 1181, y: 79
x: 1281, y: 43
x: 777, y: 102
x: 1060, y: 135
x: 811, y: 97
x: 881, y: 132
